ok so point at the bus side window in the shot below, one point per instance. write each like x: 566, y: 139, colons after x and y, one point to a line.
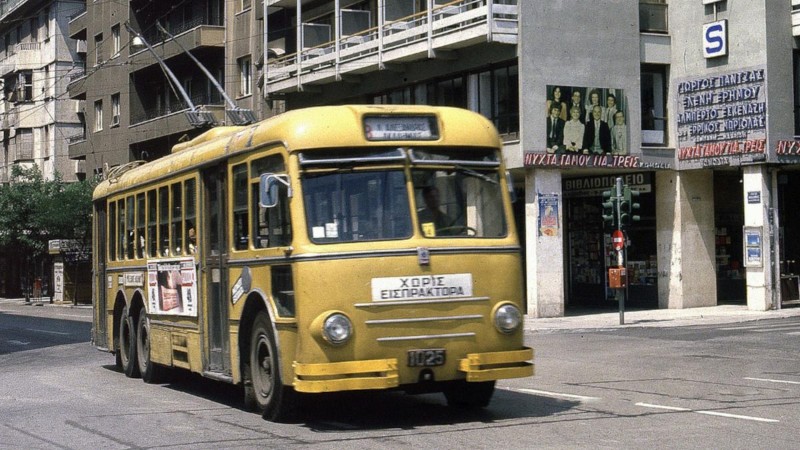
x: 177, y: 218
x: 240, y: 220
x: 112, y: 232
x: 140, y: 220
x: 163, y: 220
x: 152, y: 224
x: 190, y: 216
x: 121, y: 235
x: 271, y: 227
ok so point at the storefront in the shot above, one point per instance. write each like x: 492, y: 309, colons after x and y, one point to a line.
x: 788, y: 182
x: 728, y: 247
x: 587, y: 246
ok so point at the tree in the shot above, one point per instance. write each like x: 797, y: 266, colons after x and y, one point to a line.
x: 34, y: 210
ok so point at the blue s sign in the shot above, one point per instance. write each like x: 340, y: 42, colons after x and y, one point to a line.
x: 715, y: 39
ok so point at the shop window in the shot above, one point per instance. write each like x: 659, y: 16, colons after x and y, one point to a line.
x: 654, y: 95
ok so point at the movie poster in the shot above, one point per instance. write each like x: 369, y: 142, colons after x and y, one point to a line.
x: 586, y: 121
x: 172, y: 287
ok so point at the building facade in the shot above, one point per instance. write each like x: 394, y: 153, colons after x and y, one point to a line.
x: 35, y: 54
x: 692, y: 103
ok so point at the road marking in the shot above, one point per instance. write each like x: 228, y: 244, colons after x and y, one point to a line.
x: 785, y: 328
x: 708, y: 413
x: 772, y: 381
x: 48, y: 332
x: 555, y: 394
x: 753, y: 327
x: 15, y: 342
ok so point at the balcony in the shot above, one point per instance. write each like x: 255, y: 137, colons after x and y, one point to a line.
x: 156, y: 122
x: 24, y: 56
x: 77, y: 83
x: 197, y: 37
x: 447, y: 27
x: 78, y: 25
x: 8, y: 6
x: 795, y: 17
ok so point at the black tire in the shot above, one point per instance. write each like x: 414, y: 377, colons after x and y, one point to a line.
x: 460, y: 394
x: 150, y: 371
x: 127, y: 345
x: 275, y: 402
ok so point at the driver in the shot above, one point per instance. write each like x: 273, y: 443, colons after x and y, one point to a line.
x: 432, y: 219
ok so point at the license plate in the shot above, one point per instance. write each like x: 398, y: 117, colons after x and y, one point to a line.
x: 426, y: 357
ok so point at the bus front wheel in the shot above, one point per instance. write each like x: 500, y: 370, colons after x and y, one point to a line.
x: 460, y: 394
x: 272, y: 399
x: 127, y: 345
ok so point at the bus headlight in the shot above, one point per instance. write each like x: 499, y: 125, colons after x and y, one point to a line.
x: 337, y: 328
x: 507, y: 318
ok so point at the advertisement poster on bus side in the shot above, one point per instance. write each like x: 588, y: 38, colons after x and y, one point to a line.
x: 172, y: 287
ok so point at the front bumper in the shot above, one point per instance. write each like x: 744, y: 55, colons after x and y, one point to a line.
x: 384, y: 373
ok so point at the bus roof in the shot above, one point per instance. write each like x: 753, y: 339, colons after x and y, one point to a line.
x: 303, y: 129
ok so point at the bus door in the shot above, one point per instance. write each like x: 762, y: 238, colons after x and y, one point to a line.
x: 213, y: 268
x: 100, y: 337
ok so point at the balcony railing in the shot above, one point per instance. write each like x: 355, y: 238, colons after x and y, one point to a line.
x: 8, y: 6
x: 74, y: 139
x: 175, y: 107
x: 153, y: 36
x: 653, y: 17
x: 445, y: 25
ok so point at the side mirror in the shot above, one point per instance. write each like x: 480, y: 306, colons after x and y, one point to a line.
x: 268, y: 189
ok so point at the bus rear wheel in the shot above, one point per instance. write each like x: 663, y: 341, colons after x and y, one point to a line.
x: 150, y: 371
x: 461, y: 394
x: 127, y: 345
x: 271, y: 398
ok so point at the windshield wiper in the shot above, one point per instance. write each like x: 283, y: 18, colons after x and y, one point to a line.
x: 475, y: 174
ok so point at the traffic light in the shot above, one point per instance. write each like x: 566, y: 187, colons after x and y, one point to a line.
x: 628, y: 206
x: 609, y: 210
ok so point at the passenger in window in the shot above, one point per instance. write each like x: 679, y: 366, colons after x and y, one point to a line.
x: 192, y: 236
x: 432, y: 219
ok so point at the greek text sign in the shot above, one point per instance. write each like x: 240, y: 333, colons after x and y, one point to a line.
x: 422, y: 287
x: 721, y: 117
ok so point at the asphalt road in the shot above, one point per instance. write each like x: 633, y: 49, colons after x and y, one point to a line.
x: 711, y: 386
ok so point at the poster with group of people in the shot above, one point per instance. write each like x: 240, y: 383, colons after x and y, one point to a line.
x: 588, y: 121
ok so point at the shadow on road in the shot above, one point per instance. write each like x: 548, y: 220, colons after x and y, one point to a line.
x: 376, y: 410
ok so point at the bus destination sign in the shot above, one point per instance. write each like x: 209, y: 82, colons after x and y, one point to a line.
x: 422, y: 287
x: 400, y: 128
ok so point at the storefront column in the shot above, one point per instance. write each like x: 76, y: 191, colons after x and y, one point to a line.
x: 544, y: 252
x: 758, y: 241
x: 685, y: 233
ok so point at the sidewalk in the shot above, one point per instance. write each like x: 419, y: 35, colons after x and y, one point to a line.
x: 656, y: 318
x: 44, y: 301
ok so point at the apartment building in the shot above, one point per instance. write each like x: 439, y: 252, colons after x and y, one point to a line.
x: 35, y: 55
x: 693, y: 103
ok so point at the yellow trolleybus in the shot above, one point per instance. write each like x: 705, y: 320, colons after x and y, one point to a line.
x: 325, y: 249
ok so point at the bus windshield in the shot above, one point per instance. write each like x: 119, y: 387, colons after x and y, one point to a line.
x: 457, y: 193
